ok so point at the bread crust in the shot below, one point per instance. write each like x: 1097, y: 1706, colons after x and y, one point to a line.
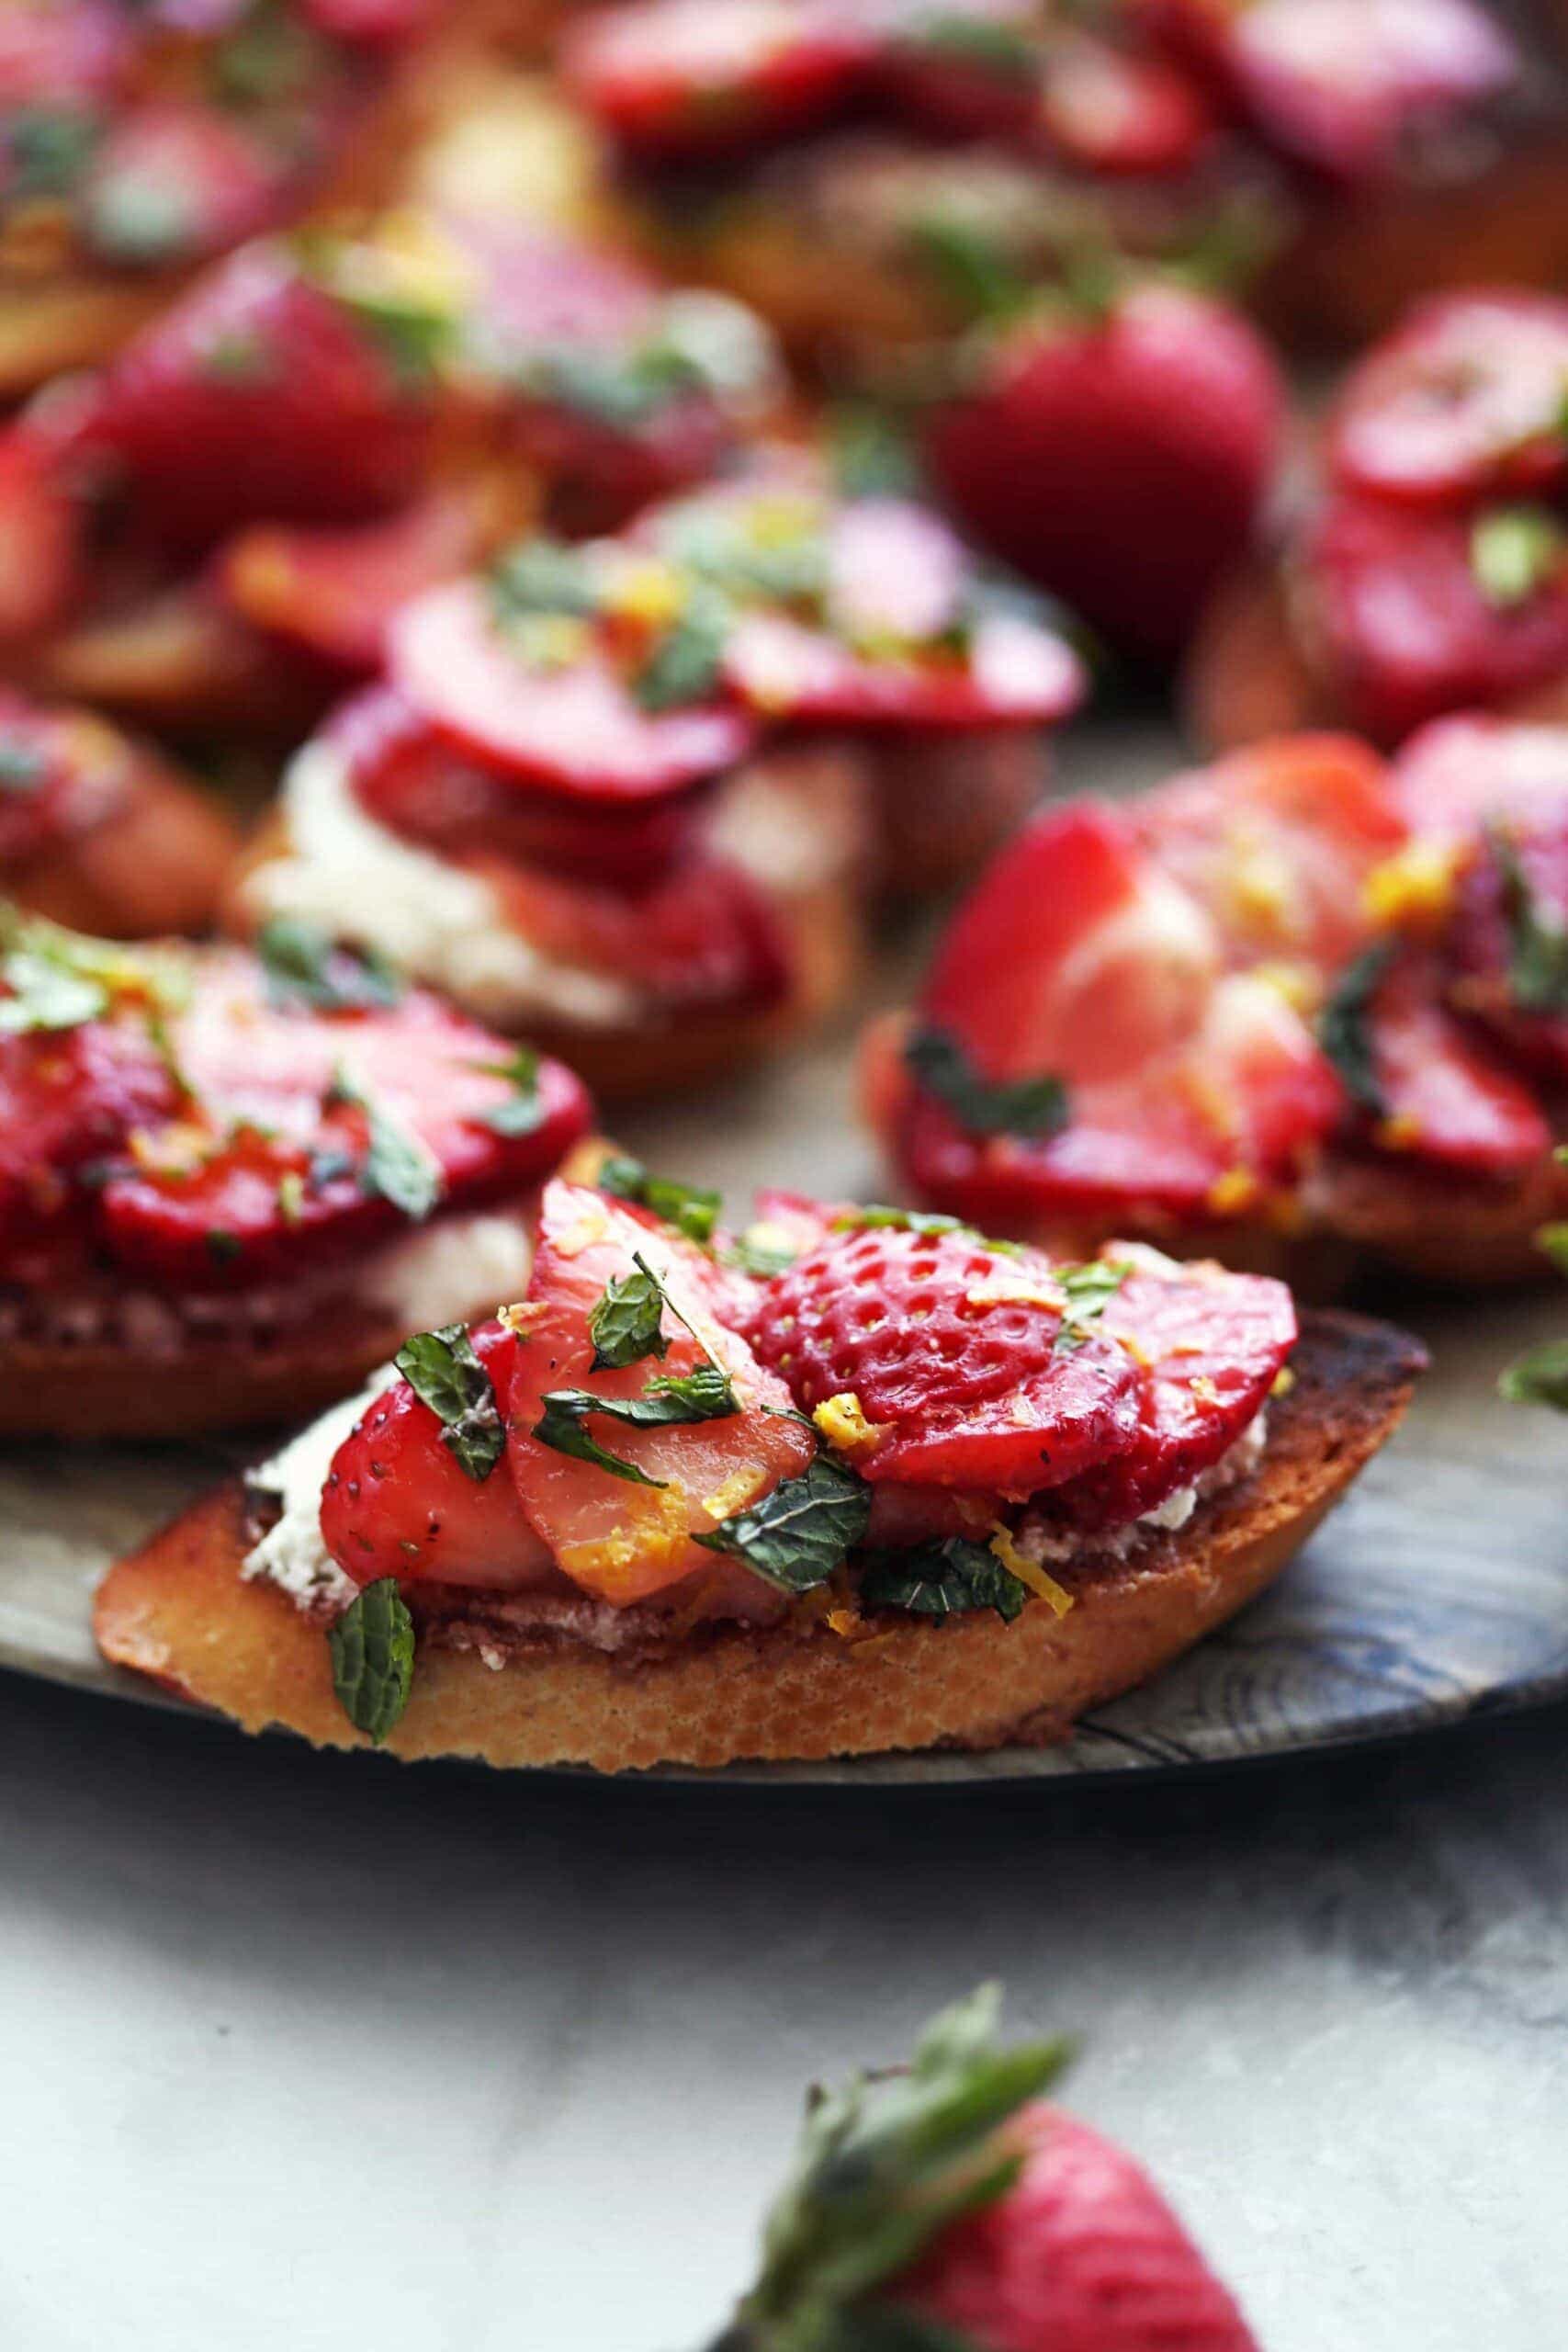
x: 154, y: 863
x: 179, y: 1612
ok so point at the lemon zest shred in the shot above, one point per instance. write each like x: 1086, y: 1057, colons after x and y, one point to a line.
x: 1234, y: 1193
x: 841, y: 1419
x: 1284, y: 1381
x: 1044, y: 1588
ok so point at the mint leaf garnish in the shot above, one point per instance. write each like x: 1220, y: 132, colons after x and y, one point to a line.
x: 523, y: 1111
x: 1538, y: 961
x: 795, y: 1536
x: 691, y: 1210
x: 445, y: 1373
x: 1090, y: 1288
x: 372, y: 1654
x: 1345, y: 1032
x: 943, y: 1579
x: 1540, y: 1377
x: 1028, y: 1106
x: 628, y: 1322
x: 683, y: 666
x: 305, y: 966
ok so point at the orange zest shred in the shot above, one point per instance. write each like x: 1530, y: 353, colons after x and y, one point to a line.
x: 1029, y: 1572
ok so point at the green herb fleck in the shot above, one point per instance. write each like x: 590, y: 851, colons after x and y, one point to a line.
x: 305, y: 966
x: 684, y: 666
x: 444, y: 1372
x: 1345, y: 1033
x: 1514, y: 552
x: 542, y: 577
x: 1540, y: 1377
x: 223, y: 1247
x: 1089, y: 1289
x: 1027, y: 1106
x: 1538, y: 961
x: 691, y: 1210
x: 628, y: 1321
x: 372, y: 1656
x: 523, y: 1112
x: 399, y: 1164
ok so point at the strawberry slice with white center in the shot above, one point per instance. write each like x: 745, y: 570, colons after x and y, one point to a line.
x: 1277, y: 843
x: 935, y: 1359
x: 1078, y: 959
x: 677, y: 78
x: 397, y: 1502
x: 1465, y: 400
x: 1209, y: 1345
x: 578, y: 728
x: 621, y: 1540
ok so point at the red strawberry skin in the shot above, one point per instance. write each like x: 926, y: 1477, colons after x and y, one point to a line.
x: 1082, y: 2255
x: 950, y: 1347
x: 260, y: 398
x: 1118, y: 463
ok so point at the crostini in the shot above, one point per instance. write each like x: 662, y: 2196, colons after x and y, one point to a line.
x: 863, y: 173
x: 213, y: 533
x: 944, y: 2204
x: 136, y: 142
x: 101, y: 833
x: 1298, y: 1007
x: 624, y: 796
x: 1426, y: 570
x: 231, y: 1180
x: 850, y: 1480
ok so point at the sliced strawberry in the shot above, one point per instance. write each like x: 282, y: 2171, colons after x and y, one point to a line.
x: 413, y: 780
x: 1078, y: 959
x: 68, y: 1099
x: 578, y: 728
x: 1465, y: 400
x: 259, y: 397
x: 334, y: 593
x: 176, y: 181
x: 399, y: 1503
x: 896, y: 599
x: 1444, y: 1097
x: 950, y: 1349
x: 674, y: 79
x: 1105, y: 107
x: 1120, y: 462
x: 1278, y: 842
x: 1080, y: 2255
x: 1209, y: 1345
x: 1400, y: 621
x: 277, y: 1167
x: 1344, y: 85
x: 620, y: 1541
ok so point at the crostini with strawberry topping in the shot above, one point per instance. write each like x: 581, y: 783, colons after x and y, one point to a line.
x: 230, y: 1180
x: 215, y: 532
x: 136, y: 144
x: 1295, y: 1009
x: 845, y: 1481
x: 102, y: 833
x: 624, y: 796
x: 869, y: 177
x: 945, y: 2206
x: 1424, y: 571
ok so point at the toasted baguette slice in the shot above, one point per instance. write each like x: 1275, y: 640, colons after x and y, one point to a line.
x: 178, y: 1611
x: 154, y: 863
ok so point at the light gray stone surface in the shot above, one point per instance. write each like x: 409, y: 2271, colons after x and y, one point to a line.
x: 309, y: 2051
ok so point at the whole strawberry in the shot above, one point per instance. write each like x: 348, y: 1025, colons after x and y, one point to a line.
x: 944, y: 2208
x: 1117, y: 454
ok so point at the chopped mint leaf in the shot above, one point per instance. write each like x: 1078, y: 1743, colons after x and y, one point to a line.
x: 1553, y: 1240
x: 1515, y: 551
x: 47, y: 148
x: 560, y: 1427
x: 1090, y: 1288
x: 684, y: 666
x: 523, y: 1111
x: 372, y: 1654
x: 1004, y: 51
x: 691, y: 1210
x: 1538, y: 1378
x: 223, y: 1247
x: 1344, y: 1028
x: 972, y: 268
x: 399, y: 1164
x: 942, y: 1580
x: 795, y: 1536
x: 872, y: 457
x: 305, y: 966
x: 1538, y: 962
x: 762, y: 1258
x: 628, y: 1321
x: 1027, y: 1106
x: 542, y: 576
x: 444, y: 1372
